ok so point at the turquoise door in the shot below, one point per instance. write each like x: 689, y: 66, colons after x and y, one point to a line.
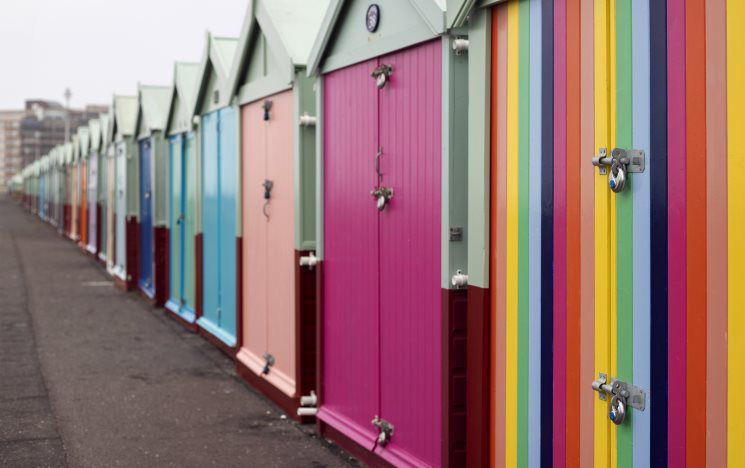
x: 146, y: 219
x: 219, y: 192
x: 181, y: 242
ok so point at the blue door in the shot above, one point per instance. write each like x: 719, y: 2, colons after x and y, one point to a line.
x: 42, y: 202
x: 146, y: 219
x: 219, y: 184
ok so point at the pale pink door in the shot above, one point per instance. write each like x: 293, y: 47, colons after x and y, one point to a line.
x: 410, y: 233
x: 351, y: 373
x: 269, y: 258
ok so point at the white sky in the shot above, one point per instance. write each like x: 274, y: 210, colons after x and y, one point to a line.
x: 101, y: 47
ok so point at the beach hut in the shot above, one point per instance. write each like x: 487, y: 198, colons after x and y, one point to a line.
x: 94, y: 169
x: 392, y: 238
x: 61, y: 177
x: 152, y: 110
x: 277, y: 99
x: 71, y: 192
x: 82, y: 145
x: 607, y: 137
x: 182, y: 195
x: 123, y: 120
x: 105, y: 171
x: 220, y: 239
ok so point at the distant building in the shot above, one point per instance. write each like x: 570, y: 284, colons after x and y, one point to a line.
x: 26, y: 135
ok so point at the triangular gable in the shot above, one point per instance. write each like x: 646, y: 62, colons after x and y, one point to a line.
x: 124, y: 113
x: 84, y: 140
x: 344, y: 39
x: 105, y: 129
x: 95, y: 128
x: 212, y: 79
x: 181, y: 97
x: 152, y: 109
x: 275, y: 40
x: 459, y: 10
x: 68, y: 148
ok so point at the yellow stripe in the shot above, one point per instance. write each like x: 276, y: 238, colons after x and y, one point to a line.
x: 602, y: 235
x: 511, y: 299
x: 736, y: 230
x: 613, y: 278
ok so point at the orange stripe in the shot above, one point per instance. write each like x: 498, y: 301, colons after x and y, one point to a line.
x: 587, y: 234
x: 573, y: 201
x: 499, y: 228
x: 696, y: 227
x: 716, y: 188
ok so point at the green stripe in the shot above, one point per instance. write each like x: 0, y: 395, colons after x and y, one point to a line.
x: 624, y: 221
x: 523, y: 239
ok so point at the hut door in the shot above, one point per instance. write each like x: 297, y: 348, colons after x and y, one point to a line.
x: 121, y: 210
x: 92, y: 201
x: 146, y: 218
x: 410, y: 245
x: 189, y: 195
x: 83, y: 207
x: 111, y: 208
x: 351, y: 345
x: 177, y: 216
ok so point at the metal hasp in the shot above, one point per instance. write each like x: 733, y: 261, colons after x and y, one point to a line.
x: 385, y: 430
x: 621, y: 163
x: 267, y: 107
x: 381, y: 75
x: 268, y: 363
x: 622, y: 395
x: 383, y: 195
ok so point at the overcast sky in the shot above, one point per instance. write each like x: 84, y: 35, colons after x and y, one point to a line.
x: 101, y: 47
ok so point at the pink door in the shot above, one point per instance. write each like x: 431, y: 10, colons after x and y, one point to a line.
x: 382, y: 268
x: 410, y: 233
x: 351, y: 374
x: 269, y: 252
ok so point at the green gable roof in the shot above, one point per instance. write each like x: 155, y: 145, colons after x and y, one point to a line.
x: 152, y: 109
x: 124, y: 113
x: 181, y: 97
x: 213, y: 75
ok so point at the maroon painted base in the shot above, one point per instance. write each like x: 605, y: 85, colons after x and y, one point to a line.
x: 192, y: 327
x: 367, y: 457
x: 218, y: 343
x: 306, y: 346
x: 133, y: 252
x: 239, y: 292
x: 161, y: 263
x: 478, y: 330
x: 288, y: 404
x: 99, y: 215
x: 454, y: 386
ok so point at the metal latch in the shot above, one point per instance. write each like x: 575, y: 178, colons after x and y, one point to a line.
x: 381, y: 75
x: 622, y: 395
x: 310, y: 260
x: 268, y: 363
x: 621, y: 162
x: 385, y: 430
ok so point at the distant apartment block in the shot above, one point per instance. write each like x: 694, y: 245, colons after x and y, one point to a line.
x: 28, y: 134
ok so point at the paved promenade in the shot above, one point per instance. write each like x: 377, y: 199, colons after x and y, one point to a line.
x: 93, y: 377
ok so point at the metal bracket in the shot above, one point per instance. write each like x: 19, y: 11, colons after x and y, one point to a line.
x: 268, y: 363
x: 381, y: 75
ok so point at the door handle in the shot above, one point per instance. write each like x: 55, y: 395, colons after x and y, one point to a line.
x: 622, y: 395
x: 382, y: 195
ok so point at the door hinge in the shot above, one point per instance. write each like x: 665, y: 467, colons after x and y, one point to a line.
x: 385, y: 430
x: 622, y: 395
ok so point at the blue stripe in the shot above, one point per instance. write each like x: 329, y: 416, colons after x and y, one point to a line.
x: 641, y: 251
x: 534, y: 314
x: 658, y: 231
x: 547, y: 224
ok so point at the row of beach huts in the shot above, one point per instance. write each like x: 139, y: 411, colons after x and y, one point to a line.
x: 449, y: 232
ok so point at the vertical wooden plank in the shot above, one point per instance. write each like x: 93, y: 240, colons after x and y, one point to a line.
x: 677, y: 233
x: 587, y: 238
x: 573, y: 261
x: 695, y: 182
x: 735, y: 230
x: 547, y: 227
x: 658, y: 231
x: 534, y: 338
x: 602, y: 225
x: 716, y: 233
x: 560, y: 228
x: 523, y: 271
x: 640, y: 63
x: 513, y: 46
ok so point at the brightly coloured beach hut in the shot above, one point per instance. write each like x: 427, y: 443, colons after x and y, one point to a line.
x: 182, y: 195
x: 152, y: 110
x: 81, y: 146
x: 278, y: 115
x: 94, y: 169
x: 123, y: 120
x: 220, y: 202
x: 71, y: 217
x: 105, y: 171
x: 392, y: 232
